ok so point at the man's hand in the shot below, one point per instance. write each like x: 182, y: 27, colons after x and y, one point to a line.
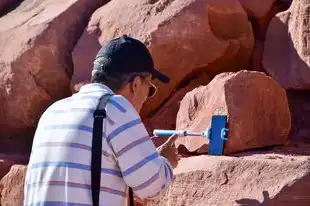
x: 169, y: 151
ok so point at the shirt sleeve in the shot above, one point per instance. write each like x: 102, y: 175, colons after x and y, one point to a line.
x: 143, y: 169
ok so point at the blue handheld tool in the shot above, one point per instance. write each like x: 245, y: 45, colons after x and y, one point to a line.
x: 217, y: 134
x: 181, y: 133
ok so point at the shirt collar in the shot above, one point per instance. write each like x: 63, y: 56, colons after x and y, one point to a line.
x: 94, y: 87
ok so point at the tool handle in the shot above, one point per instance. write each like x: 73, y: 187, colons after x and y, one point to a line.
x: 159, y: 132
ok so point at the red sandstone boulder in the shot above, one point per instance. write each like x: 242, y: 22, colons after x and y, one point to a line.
x: 6, y: 161
x: 260, y: 26
x: 267, y: 179
x: 256, y: 106
x: 286, y: 52
x: 35, y: 63
x: 12, y: 186
x: 166, y: 116
x: 83, y: 55
x: 184, y: 37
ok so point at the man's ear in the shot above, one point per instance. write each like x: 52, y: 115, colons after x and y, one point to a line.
x: 136, y: 83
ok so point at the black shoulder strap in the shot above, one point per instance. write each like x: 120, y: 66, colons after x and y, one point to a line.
x: 99, y: 115
x: 131, y: 200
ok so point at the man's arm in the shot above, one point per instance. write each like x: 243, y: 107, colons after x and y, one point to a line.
x: 142, y: 167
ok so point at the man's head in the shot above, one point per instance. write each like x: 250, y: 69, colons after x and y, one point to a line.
x: 126, y: 66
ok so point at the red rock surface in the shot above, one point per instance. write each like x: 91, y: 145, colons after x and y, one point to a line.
x: 83, y: 55
x: 184, y: 36
x: 260, y: 26
x: 257, y: 9
x: 12, y: 186
x: 261, y: 179
x: 255, y: 104
x: 6, y: 162
x: 300, y: 112
x: 36, y: 64
x: 165, y: 118
x: 5, y: 5
x: 286, y: 54
x: 279, y: 176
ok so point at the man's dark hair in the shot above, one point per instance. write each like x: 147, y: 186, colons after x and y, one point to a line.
x: 115, y: 81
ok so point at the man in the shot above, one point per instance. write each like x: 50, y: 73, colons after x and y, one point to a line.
x: 59, y: 168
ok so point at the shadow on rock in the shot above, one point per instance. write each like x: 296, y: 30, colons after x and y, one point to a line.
x: 7, y: 6
x: 254, y: 202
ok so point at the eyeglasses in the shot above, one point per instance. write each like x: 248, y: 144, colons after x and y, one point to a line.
x: 152, y: 90
x: 152, y: 87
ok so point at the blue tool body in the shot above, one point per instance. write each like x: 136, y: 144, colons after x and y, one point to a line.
x: 217, y: 134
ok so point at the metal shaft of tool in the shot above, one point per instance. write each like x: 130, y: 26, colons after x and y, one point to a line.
x: 194, y: 134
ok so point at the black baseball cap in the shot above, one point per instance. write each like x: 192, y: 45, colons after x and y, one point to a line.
x: 126, y: 55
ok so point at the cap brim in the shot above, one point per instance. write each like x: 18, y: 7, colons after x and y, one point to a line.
x: 160, y: 76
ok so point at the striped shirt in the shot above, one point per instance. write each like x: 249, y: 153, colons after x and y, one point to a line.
x: 59, y: 168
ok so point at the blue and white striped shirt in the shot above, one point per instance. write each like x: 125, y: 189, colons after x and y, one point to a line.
x: 59, y: 168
